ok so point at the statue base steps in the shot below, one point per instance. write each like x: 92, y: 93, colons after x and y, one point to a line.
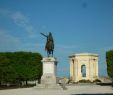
x: 48, y: 86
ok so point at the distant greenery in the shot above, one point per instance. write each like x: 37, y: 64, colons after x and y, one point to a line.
x: 84, y: 81
x: 96, y: 80
x: 109, y: 60
x: 16, y: 67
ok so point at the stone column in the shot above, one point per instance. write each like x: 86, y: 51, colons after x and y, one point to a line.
x: 97, y: 67
x: 71, y: 69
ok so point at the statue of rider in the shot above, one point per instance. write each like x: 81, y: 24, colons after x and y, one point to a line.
x: 49, y: 47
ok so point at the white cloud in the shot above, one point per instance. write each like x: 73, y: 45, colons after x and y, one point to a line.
x: 8, y: 42
x: 66, y: 47
x: 11, y: 43
x: 20, y: 20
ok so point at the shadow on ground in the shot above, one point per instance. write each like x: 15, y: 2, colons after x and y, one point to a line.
x: 95, y: 94
x: 105, y: 84
x: 4, y: 87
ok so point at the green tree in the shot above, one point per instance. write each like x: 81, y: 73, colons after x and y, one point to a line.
x: 3, y: 62
x: 20, y: 66
x: 7, y: 73
x: 109, y: 60
x: 28, y: 66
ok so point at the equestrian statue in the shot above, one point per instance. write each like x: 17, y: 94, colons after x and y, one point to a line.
x: 49, y: 47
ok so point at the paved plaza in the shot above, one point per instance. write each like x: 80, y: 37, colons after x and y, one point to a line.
x: 72, y: 90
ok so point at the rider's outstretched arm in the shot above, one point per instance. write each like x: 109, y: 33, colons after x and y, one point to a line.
x: 43, y: 34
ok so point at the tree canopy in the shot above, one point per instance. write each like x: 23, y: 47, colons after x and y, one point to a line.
x: 109, y: 60
x: 16, y: 67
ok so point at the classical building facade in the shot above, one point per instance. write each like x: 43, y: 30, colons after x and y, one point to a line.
x: 83, y: 66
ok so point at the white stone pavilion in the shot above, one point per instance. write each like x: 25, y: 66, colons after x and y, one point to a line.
x: 83, y: 66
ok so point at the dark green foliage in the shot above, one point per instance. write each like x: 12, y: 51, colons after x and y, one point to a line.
x: 16, y: 67
x: 96, y: 80
x: 109, y: 60
x: 84, y: 81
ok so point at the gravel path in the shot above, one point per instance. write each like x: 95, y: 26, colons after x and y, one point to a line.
x: 72, y: 90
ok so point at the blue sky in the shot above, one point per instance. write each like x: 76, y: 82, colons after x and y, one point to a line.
x: 77, y: 26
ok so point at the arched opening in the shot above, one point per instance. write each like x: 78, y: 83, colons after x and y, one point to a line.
x: 83, y: 70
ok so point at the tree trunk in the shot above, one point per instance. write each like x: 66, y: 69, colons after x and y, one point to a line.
x: 26, y: 82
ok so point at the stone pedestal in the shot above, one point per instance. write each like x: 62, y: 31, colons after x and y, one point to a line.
x: 49, y: 70
x: 48, y: 79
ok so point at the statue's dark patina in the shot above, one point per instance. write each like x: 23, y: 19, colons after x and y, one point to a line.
x: 49, y: 47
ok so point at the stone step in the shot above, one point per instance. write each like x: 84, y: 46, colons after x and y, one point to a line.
x: 50, y: 86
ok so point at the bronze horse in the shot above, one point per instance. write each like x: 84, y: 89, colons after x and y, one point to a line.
x: 49, y: 47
